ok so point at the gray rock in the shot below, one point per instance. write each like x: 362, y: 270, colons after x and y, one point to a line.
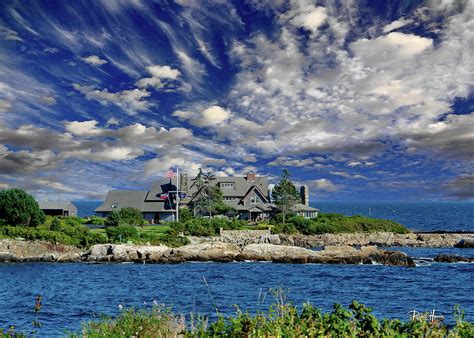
x: 443, y: 258
x: 465, y: 243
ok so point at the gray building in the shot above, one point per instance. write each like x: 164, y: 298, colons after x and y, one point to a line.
x: 156, y: 204
x: 59, y: 208
x: 248, y: 196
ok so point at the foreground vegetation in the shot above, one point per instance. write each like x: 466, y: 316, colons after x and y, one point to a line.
x: 281, y: 320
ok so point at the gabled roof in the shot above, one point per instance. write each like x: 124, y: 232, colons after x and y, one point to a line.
x: 56, y: 205
x: 301, y: 207
x: 259, y: 192
x: 132, y: 199
x: 241, y: 185
x: 159, y: 187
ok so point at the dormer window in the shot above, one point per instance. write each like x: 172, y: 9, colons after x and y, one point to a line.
x: 227, y: 184
x: 254, y: 200
x: 114, y: 205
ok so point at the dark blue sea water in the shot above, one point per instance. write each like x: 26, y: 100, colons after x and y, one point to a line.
x: 85, y: 208
x: 422, y: 216
x: 73, y: 293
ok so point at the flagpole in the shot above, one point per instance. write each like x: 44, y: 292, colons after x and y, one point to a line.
x: 177, y: 194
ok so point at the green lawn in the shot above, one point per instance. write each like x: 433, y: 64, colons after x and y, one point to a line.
x: 159, y: 230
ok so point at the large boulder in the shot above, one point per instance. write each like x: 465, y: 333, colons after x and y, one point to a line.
x: 465, y: 243
x: 444, y: 258
x: 69, y: 257
x: 211, y: 251
x: 275, y: 253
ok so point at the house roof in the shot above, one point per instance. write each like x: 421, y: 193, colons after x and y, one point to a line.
x: 301, y: 207
x: 132, y: 199
x: 159, y: 187
x: 56, y: 205
x: 240, y: 188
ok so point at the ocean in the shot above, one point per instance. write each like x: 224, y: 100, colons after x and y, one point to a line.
x: 74, y: 293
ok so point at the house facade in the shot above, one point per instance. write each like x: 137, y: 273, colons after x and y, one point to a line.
x: 248, y: 196
x: 59, y: 208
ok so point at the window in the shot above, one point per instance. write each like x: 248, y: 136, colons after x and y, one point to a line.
x: 228, y: 198
x: 227, y: 185
x: 254, y: 200
x: 114, y: 205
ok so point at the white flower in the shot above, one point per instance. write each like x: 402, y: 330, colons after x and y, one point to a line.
x: 120, y: 306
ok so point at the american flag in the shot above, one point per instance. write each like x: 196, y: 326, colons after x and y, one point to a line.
x: 170, y: 174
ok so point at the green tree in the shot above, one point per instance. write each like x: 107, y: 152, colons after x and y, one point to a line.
x: 126, y: 216
x: 208, y: 197
x: 131, y: 216
x: 285, y: 195
x: 17, y: 207
x: 55, y: 224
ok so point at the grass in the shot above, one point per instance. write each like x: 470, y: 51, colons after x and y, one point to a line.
x: 158, y: 230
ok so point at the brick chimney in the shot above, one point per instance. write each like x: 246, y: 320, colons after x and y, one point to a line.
x: 250, y: 177
x: 304, y: 194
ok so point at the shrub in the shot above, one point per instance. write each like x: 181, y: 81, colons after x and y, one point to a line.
x: 126, y: 216
x: 113, y: 219
x: 121, y: 233
x: 95, y: 220
x: 17, y: 207
x: 335, y: 223
x: 281, y: 320
x: 131, y: 216
x: 55, y: 224
x: 66, y: 234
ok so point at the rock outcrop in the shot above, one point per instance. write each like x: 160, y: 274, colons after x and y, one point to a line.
x: 227, y: 252
x: 443, y: 258
x: 465, y: 243
x: 382, y: 239
x: 38, y: 251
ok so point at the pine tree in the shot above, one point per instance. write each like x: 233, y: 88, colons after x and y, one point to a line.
x: 285, y: 195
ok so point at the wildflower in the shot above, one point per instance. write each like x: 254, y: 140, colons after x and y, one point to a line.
x: 144, y: 302
x: 155, y: 302
x: 120, y: 306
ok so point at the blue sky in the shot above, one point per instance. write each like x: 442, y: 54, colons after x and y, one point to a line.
x: 360, y: 100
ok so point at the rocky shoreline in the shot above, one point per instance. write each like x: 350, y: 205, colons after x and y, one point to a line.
x: 247, y: 245
x: 202, y: 252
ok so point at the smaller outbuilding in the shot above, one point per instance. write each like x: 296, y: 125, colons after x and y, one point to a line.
x: 59, y: 208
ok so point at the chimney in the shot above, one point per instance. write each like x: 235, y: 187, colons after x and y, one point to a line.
x: 304, y: 194
x: 183, y: 182
x: 250, y: 177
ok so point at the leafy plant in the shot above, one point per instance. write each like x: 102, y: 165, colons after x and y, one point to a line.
x: 18, y: 208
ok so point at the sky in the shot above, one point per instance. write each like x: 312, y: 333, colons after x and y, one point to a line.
x: 359, y: 100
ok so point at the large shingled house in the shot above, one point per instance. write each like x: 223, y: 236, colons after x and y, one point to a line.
x: 248, y: 196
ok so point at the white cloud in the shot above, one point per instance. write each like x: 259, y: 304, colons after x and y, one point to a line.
x: 112, y: 122
x: 94, y: 60
x: 48, y: 100
x: 5, y: 106
x: 129, y: 100
x: 209, y: 117
x: 9, y: 34
x: 310, y: 17
x: 346, y: 174
x: 159, y: 74
x: 158, y: 166
x: 396, y: 24
x: 85, y: 128
x: 324, y: 184
x: 395, y: 46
